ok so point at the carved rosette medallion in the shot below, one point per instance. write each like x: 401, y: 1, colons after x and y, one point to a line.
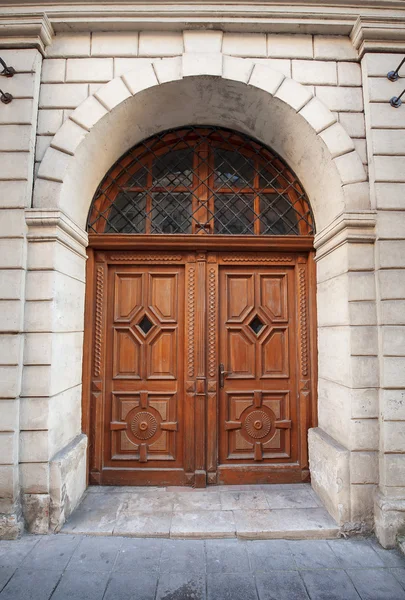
x: 257, y: 424
x: 144, y: 425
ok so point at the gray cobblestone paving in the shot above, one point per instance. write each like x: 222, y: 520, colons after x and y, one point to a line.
x: 78, y: 567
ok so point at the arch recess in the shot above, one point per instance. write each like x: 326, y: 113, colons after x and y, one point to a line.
x: 206, y: 90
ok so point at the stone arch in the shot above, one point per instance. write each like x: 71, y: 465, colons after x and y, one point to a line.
x: 203, y: 89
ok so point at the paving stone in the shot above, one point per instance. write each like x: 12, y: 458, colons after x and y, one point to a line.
x: 144, y: 524
x: 28, y: 584
x: 329, y: 584
x: 121, y: 489
x: 399, y: 574
x: 286, y: 523
x: 291, y: 498
x: 355, y: 553
x: 280, y: 585
x: 189, y: 502
x: 376, y: 584
x: 88, y: 522
x: 226, y: 556
x: 149, y: 502
x: 179, y: 586
x: 52, y: 552
x: 139, y: 555
x: 182, y: 556
x: 95, y: 554
x: 313, y: 554
x: 390, y: 558
x: 241, y: 500
x: 12, y: 553
x: 231, y: 587
x: 5, y: 575
x: 270, y: 555
x: 204, y: 523
x: 89, y: 585
x: 132, y: 585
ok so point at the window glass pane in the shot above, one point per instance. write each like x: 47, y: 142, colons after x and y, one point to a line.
x: 171, y: 213
x: 138, y: 177
x: 173, y: 168
x: 234, y: 214
x: 127, y: 214
x: 277, y: 216
x: 232, y: 169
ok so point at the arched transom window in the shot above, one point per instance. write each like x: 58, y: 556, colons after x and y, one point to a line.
x: 200, y: 180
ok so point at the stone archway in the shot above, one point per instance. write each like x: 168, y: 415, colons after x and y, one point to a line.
x: 250, y: 98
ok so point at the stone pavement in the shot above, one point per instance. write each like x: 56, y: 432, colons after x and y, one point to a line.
x: 251, y: 512
x: 75, y: 567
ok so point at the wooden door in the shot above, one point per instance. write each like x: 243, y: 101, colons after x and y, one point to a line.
x: 162, y: 411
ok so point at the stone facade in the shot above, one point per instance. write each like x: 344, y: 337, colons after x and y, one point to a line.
x: 85, y: 92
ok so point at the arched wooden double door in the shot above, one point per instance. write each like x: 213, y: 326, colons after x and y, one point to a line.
x: 199, y: 344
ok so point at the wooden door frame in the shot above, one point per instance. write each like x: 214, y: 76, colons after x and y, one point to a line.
x: 202, y: 243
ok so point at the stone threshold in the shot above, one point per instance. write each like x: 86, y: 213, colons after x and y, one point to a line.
x: 247, y: 512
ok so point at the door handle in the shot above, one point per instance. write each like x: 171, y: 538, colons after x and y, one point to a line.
x: 222, y: 375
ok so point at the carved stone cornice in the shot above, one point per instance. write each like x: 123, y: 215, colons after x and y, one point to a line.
x: 355, y: 227
x: 379, y: 35
x: 25, y: 31
x: 55, y: 226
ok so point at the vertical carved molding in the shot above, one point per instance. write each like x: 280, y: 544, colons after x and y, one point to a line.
x: 191, y: 321
x: 98, y: 341
x: 303, y: 320
x: 212, y: 322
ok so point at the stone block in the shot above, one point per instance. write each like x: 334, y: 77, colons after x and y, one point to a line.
x: 114, y: 43
x: 15, y: 194
x: 393, y: 405
x: 388, y: 523
x: 69, y: 44
x: 337, y: 140
x: 12, y: 253
x: 289, y: 46
x: 171, y: 69
x: 381, y: 89
x: 10, y: 316
x: 293, y: 94
x: 89, y: 69
x: 392, y: 284
x: 383, y: 116
x: 334, y: 361
x: 363, y: 467
x: 393, y: 436
x: 235, y: 70
x: 10, y: 349
x: 24, y: 60
x: 353, y: 123
x: 18, y: 112
x: 393, y: 312
x: 361, y: 149
x: 124, y: 65
x: 93, y: 88
x: 9, y: 416
x: 357, y: 195
x: 62, y: 95
x: 244, y: 44
x: 64, y: 418
x: 350, y: 168
x: 334, y: 409
x: 113, y: 93
x: 140, y: 79
x: 202, y: 64
x: 202, y: 41
x: 333, y: 292
x: 36, y: 513
x: 391, y: 254
x: 69, y: 137
x: 378, y: 65
x: 349, y: 74
x: 34, y: 414
x: 334, y: 48
x: 364, y: 341
x: 388, y: 142
x: 314, y: 72
x: 389, y: 168
x: 55, y: 256
x: 266, y: 79
x: 11, y: 282
x: 42, y: 145
x: 89, y: 113
x: 362, y: 505
x: 8, y: 444
x: 55, y: 165
x: 364, y: 403
x: 341, y: 99
x: 33, y: 446
x: 362, y: 313
x: 330, y: 473
x: 363, y: 434
x: 391, y: 225
x: 364, y: 371
x: 49, y: 121
x: 14, y: 166
x: 53, y: 70
x: 34, y: 478
x: 160, y: 43
x: 317, y: 115
x: 67, y: 481
x: 393, y: 371
x: 22, y: 85
x: 10, y: 377
x: 393, y: 466
x: 15, y: 138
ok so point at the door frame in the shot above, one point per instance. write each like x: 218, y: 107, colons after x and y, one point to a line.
x: 204, y: 467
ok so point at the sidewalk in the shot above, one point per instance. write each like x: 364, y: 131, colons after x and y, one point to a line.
x: 76, y: 567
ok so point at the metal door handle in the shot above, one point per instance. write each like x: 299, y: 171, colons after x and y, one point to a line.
x: 222, y: 375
